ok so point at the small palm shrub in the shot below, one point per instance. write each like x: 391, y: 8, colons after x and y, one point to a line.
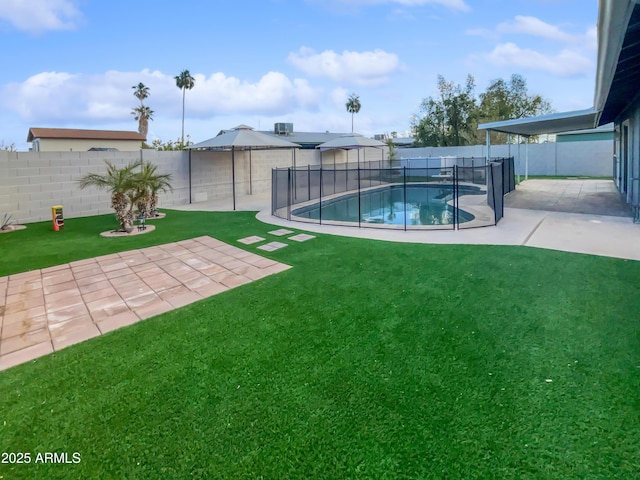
x: 130, y: 188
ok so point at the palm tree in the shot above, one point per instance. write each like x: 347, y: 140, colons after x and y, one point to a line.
x: 120, y: 182
x: 141, y: 91
x: 149, y: 184
x: 142, y: 114
x: 353, y: 106
x: 184, y: 82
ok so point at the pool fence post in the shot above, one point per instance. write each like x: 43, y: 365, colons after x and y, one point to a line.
x: 320, y: 198
x: 359, y: 206
x: 289, y: 193
x: 456, y: 180
x: 404, y: 193
x: 308, y: 181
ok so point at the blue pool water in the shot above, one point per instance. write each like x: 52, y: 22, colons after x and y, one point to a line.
x: 424, y: 205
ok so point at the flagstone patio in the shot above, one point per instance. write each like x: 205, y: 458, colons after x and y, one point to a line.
x: 43, y: 311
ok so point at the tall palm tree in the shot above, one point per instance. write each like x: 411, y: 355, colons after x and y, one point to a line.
x: 142, y: 114
x: 353, y: 106
x: 119, y: 182
x: 184, y: 82
x: 141, y: 91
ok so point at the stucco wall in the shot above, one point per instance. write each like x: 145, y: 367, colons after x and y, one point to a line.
x: 592, y: 158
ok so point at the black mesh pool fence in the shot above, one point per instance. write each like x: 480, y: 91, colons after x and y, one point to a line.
x: 447, y: 193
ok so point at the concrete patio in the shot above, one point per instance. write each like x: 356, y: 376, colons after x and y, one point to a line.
x: 43, y: 311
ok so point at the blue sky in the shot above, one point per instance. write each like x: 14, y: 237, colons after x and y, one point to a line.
x: 72, y: 63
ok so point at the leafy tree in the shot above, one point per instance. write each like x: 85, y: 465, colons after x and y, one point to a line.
x: 170, y: 145
x: 9, y: 148
x: 393, y: 154
x: 184, y: 82
x: 504, y: 100
x: 119, y: 182
x: 353, y: 106
x: 449, y: 119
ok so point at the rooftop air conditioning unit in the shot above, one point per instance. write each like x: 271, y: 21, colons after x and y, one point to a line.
x: 283, y: 128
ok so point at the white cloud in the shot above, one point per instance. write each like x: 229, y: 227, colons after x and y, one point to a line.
x: 50, y: 98
x: 37, y: 16
x: 566, y: 63
x: 273, y: 93
x: 534, y: 26
x: 338, y: 97
x: 459, y: 5
x: 368, y: 68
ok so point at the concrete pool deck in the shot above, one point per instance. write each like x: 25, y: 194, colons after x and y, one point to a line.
x: 575, y: 215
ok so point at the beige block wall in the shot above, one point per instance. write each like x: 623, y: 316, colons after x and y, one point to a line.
x: 67, y: 145
x: 212, y: 171
x: 32, y: 182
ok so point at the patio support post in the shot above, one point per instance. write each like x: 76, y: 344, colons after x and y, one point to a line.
x: 233, y: 176
x: 526, y: 162
x: 488, y: 135
x: 518, y: 167
x: 189, y: 176
x: 250, y: 182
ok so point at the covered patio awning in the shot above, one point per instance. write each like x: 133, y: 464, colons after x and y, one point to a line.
x: 241, y: 137
x: 552, y: 123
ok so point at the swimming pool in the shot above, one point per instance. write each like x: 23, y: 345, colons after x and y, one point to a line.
x: 425, y: 204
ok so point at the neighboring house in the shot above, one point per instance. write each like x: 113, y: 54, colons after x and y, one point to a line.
x: 617, y: 96
x: 616, y: 100
x: 604, y: 132
x: 77, y: 140
x: 306, y: 140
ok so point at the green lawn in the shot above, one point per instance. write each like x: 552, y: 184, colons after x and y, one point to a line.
x: 367, y: 359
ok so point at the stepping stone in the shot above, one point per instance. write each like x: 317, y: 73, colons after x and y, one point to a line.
x: 271, y: 246
x: 280, y: 232
x: 302, y: 237
x: 250, y: 240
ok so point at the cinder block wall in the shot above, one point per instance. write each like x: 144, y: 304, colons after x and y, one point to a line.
x: 590, y: 158
x: 32, y: 182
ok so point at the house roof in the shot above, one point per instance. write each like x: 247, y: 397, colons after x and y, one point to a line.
x: 616, y: 76
x: 351, y: 142
x: 618, y: 55
x: 306, y: 138
x: 79, y: 134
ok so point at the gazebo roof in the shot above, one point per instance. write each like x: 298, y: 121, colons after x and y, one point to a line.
x: 243, y: 137
x: 351, y: 142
